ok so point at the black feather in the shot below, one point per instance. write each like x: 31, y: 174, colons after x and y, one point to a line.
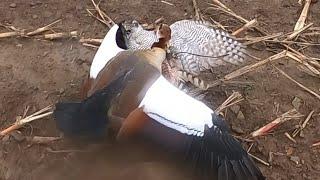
x: 122, y: 37
x: 216, y: 155
x: 89, y: 117
x: 225, y: 159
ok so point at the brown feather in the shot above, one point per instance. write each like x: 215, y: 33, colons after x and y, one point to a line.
x: 85, y: 87
x: 133, y: 124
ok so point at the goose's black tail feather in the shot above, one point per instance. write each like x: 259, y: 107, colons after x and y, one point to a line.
x: 218, y: 154
x: 89, y: 117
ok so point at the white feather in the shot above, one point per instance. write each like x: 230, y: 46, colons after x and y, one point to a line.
x: 107, y: 50
x: 173, y: 108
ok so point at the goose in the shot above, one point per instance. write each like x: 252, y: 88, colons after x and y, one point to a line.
x: 130, y: 89
x: 195, y: 47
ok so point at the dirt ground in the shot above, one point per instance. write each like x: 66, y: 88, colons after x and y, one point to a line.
x: 38, y: 73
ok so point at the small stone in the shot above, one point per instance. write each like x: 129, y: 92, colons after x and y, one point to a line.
x: 80, y: 61
x: 6, y: 138
x: 296, y: 103
x: 237, y: 129
x: 270, y: 159
x: 33, y: 3
x: 17, y: 136
x: 19, y: 45
x: 240, y: 116
x: 13, y: 5
x: 61, y: 91
x: 45, y: 53
x: 34, y: 16
x: 235, y: 108
x: 289, y: 151
x: 295, y: 159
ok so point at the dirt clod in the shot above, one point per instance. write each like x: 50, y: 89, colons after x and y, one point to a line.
x: 17, y: 136
x: 295, y: 159
x: 235, y: 108
x: 240, y: 115
x: 296, y: 103
x: 13, y: 5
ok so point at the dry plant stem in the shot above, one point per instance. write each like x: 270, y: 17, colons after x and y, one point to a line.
x: 42, y: 29
x: 25, y: 111
x: 99, y: 19
x: 259, y: 160
x: 259, y: 39
x: 295, y: 33
x: 91, y: 41
x: 301, y: 60
x: 299, y: 84
x: 249, y: 149
x: 10, y: 34
x: 231, y: 100
x: 42, y: 140
x: 303, y: 57
x: 303, y: 125
x: 196, y: 9
x: 290, y: 115
x: 218, y: 24
x: 289, y: 137
x: 316, y: 144
x: 32, y: 117
x: 60, y: 35
x: 303, y: 16
x: 247, y: 69
x: 245, y: 27
x: 312, y: 34
x: 252, y: 67
x: 292, y: 42
x: 227, y: 10
x: 159, y: 20
x: 165, y: 2
x: 103, y: 15
x: 66, y: 151
x: 90, y: 45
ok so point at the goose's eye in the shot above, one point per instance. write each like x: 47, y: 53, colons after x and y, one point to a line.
x: 128, y: 31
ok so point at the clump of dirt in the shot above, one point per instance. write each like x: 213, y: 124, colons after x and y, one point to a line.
x: 37, y: 73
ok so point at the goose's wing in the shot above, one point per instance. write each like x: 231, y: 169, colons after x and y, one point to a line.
x: 187, y: 126
x: 198, y: 47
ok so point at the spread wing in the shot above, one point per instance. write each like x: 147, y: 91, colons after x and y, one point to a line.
x: 188, y: 127
x: 213, y: 151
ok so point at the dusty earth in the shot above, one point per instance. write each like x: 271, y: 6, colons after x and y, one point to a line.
x: 38, y: 73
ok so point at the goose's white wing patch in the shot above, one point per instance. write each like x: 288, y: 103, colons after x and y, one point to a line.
x: 170, y: 106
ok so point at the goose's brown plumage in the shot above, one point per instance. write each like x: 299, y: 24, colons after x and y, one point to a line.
x: 130, y: 87
x: 136, y: 62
